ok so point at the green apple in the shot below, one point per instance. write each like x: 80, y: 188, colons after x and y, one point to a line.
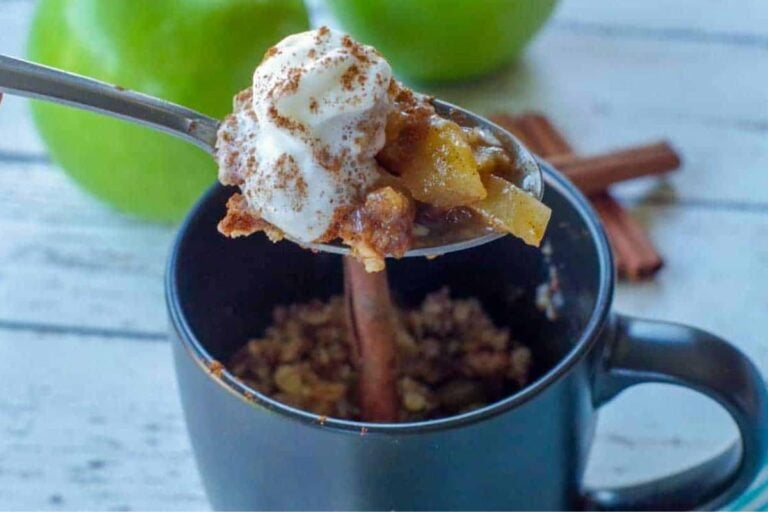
x: 444, y: 40
x: 197, y: 53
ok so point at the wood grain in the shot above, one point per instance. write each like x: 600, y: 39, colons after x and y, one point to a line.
x: 580, y: 75
x: 92, y: 423
x: 68, y: 260
x: 718, y: 21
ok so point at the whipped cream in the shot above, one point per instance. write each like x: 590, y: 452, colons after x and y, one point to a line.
x: 302, y: 140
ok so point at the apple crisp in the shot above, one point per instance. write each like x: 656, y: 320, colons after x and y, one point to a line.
x: 451, y: 358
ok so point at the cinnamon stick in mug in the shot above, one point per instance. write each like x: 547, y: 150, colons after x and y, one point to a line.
x: 371, y: 330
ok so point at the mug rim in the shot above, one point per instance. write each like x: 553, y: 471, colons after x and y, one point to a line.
x: 586, y: 340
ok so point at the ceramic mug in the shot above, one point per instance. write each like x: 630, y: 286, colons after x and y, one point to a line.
x: 527, y: 451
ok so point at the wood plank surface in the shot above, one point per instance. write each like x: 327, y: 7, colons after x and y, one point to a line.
x: 90, y: 423
x: 58, y: 244
x: 735, y: 22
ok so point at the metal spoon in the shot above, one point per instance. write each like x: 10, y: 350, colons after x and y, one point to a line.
x: 23, y: 78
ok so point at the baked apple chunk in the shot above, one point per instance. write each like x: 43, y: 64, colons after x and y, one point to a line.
x: 510, y: 209
x: 438, y: 167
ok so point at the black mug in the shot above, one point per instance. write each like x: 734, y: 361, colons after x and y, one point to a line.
x: 527, y: 451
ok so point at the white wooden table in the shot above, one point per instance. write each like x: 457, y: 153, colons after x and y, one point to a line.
x: 89, y: 414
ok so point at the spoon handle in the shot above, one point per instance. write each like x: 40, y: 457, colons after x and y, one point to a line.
x: 32, y: 80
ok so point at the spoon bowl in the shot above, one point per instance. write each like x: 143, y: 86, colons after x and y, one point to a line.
x: 24, y: 78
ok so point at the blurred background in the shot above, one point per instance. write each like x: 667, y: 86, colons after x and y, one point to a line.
x: 89, y: 414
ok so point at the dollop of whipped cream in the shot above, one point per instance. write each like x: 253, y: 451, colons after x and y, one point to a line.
x: 302, y: 140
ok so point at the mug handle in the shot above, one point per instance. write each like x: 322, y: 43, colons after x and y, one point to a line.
x: 642, y: 351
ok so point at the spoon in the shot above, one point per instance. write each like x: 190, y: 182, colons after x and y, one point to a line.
x: 23, y: 78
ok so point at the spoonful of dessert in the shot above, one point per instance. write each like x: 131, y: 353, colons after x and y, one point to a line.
x: 330, y: 151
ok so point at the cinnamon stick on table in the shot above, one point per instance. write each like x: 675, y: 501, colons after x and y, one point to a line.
x: 536, y: 132
x: 594, y: 174
x: 634, y: 253
x: 636, y: 257
x: 371, y: 330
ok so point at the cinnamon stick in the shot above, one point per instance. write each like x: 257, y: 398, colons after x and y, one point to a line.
x: 516, y: 125
x: 634, y: 253
x: 594, y: 174
x: 636, y: 257
x: 371, y: 328
x: 536, y: 132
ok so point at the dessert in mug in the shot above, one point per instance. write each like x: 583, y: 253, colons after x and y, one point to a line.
x: 327, y: 145
x: 451, y: 358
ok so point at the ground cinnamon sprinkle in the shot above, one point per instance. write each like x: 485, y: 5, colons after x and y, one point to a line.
x: 243, y: 98
x: 328, y: 160
x: 349, y: 76
x: 290, y: 84
x: 322, y: 33
x: 271, y: 52
x: 284, y: 122
x: 357, y: 49
x: 289, y: 177
x: 450, y: 358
